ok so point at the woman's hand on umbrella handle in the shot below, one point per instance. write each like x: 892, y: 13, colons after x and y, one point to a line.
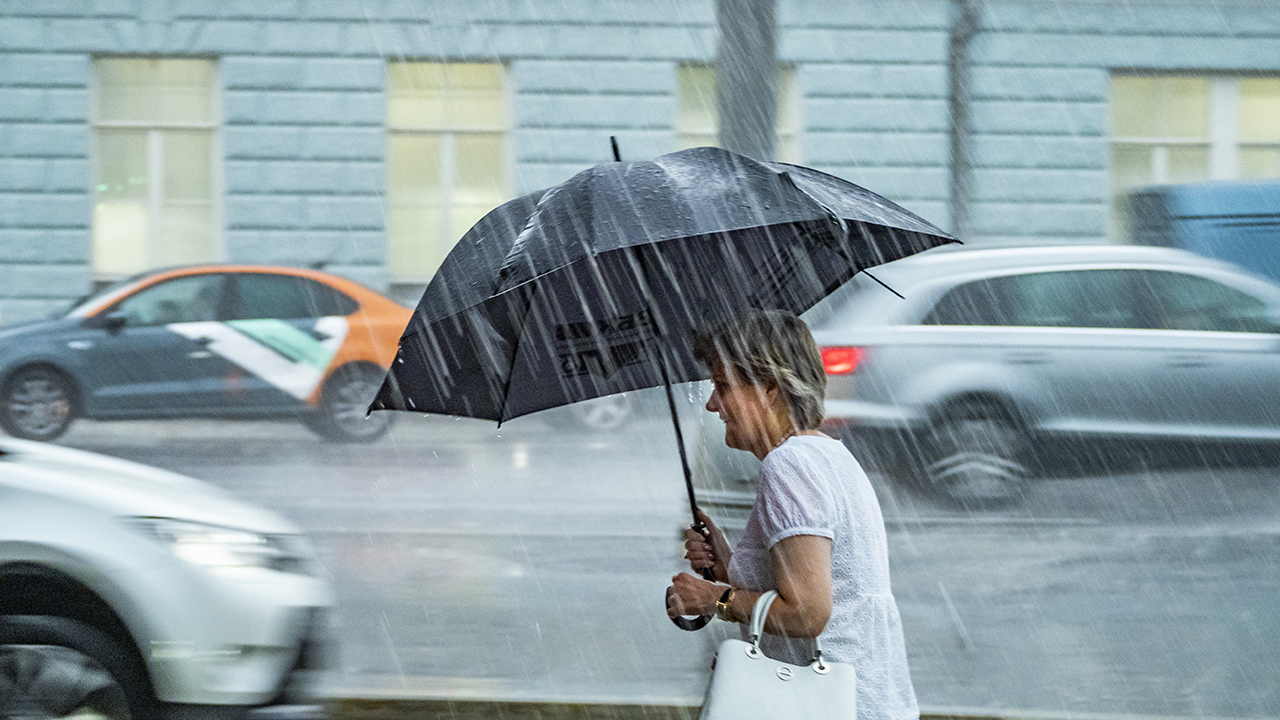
x: 707, y: 550
x: 685, y: 596
x: 690, y: 595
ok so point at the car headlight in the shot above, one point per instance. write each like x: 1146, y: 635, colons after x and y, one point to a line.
x: 215, y: 546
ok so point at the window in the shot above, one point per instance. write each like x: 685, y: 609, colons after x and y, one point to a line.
x: 1179, y: 129
x: 446, y: 159
x: 187, y: 299
x: 155, y: 143
x: 286, y: 297
x: 698, y: 118
x: 1080, y: 299
x: 1189, y: 302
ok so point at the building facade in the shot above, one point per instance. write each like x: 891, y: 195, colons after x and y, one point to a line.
x: 365, y: 136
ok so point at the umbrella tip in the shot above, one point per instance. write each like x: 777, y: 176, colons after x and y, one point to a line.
x: 613, y: 142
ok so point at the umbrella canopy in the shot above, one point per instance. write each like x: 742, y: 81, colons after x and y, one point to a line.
x: 596, y: 286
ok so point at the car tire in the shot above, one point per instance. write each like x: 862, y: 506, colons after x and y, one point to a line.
x: 342, y: 415
x: 37, y: 403
x: 52, y: 667
x: 976, y: 456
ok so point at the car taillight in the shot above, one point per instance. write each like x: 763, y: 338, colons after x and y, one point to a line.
x: 841, y: 360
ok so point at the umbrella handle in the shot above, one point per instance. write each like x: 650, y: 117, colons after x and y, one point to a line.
x: 697, y: 623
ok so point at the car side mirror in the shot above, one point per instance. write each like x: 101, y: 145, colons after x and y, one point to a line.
x: 109, y: 321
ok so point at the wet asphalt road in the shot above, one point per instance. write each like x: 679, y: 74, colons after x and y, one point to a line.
x: 530, y: 563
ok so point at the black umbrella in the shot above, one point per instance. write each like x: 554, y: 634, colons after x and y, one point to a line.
x: 596, y: 286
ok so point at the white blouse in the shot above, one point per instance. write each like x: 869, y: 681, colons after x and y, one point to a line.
x: 812, y: 485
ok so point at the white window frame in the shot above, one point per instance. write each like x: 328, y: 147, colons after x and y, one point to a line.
x: 155, y: 161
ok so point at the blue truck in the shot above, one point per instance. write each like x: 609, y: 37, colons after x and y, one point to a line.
x: 1238, y: 222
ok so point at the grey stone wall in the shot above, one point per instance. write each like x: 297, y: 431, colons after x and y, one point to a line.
x: 303, y: 101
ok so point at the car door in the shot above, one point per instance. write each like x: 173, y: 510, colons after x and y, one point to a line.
x: 1216, y: 372
x: 158, y: 363
x: 1066, y: 343
x: 283, y: 332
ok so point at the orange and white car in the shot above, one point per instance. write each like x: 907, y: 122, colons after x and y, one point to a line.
x: 234, y: 341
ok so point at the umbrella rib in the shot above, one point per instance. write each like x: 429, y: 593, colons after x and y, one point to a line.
x: 515, y: 352
x: 886, y: 287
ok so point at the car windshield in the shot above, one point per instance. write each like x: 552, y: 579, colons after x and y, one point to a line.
x: 82, y: 306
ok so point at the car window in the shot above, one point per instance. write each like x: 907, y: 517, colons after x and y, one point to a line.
x: 1189, y: 302
x: 981, y: 302
x: 193, y: 298
x: 1074, y: 298
x: 285, y: 297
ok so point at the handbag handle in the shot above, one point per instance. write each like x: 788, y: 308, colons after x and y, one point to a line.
x: 760, y: 613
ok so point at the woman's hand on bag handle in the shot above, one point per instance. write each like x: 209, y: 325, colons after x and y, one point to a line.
x: 712, y: 551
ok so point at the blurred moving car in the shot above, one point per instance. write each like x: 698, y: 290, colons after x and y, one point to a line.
x: 993, y: 352
x: 1238, y: 222
x: 131, y: 592
x: 212, y: 341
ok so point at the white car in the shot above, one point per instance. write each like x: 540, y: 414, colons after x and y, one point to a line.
x: 994, y: 355
x: 131, y: 592
x: 994, y: 352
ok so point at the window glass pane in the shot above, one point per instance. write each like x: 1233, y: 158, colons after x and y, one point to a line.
x: 1133, y: 106
x: 415, y: 249
x: 1259, y: 163
x: 1259, y: 110
x: 1131, y: 166
x: 187, y: 299
x: 1184, y: 110
x: 1160, y: 107
x: 120, y: 202
x: 697, y: 118
x: 188, y: 168
x: 445, y: 96
x: 186, y: 234
x: 155, y: 90
x: 415, y: 205
x: 1188, y: 164
x: 413, y: 169
x: 478, y: 180
x: 1190, y: 302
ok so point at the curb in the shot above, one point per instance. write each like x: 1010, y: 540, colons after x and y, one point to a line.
x: 428, y: 709
x: 448, y: 709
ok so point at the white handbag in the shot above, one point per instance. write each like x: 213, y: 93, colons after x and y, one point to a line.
x: 746, y: 685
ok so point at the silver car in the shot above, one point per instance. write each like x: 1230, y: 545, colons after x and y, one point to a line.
x: 990, y: 352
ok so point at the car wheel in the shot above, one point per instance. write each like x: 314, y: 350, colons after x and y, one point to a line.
x: 604, y: 413
x: 53, y: 667
x: 343, y: 414
x: 36, y: 404
x: 976, y: 456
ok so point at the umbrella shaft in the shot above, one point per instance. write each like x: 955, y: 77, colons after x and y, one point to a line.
x: 684, y: 457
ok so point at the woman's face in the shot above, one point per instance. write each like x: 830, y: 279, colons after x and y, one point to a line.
x: 746, y: 409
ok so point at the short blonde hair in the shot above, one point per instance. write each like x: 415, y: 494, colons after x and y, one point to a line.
x: 770, y: 348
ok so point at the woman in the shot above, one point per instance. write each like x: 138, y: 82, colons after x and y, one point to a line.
x: 815, y: 533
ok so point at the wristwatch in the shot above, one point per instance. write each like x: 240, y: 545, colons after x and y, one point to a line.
x: 722, y: 605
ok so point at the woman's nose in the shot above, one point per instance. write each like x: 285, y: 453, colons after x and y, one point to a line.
x: 713, y: 402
